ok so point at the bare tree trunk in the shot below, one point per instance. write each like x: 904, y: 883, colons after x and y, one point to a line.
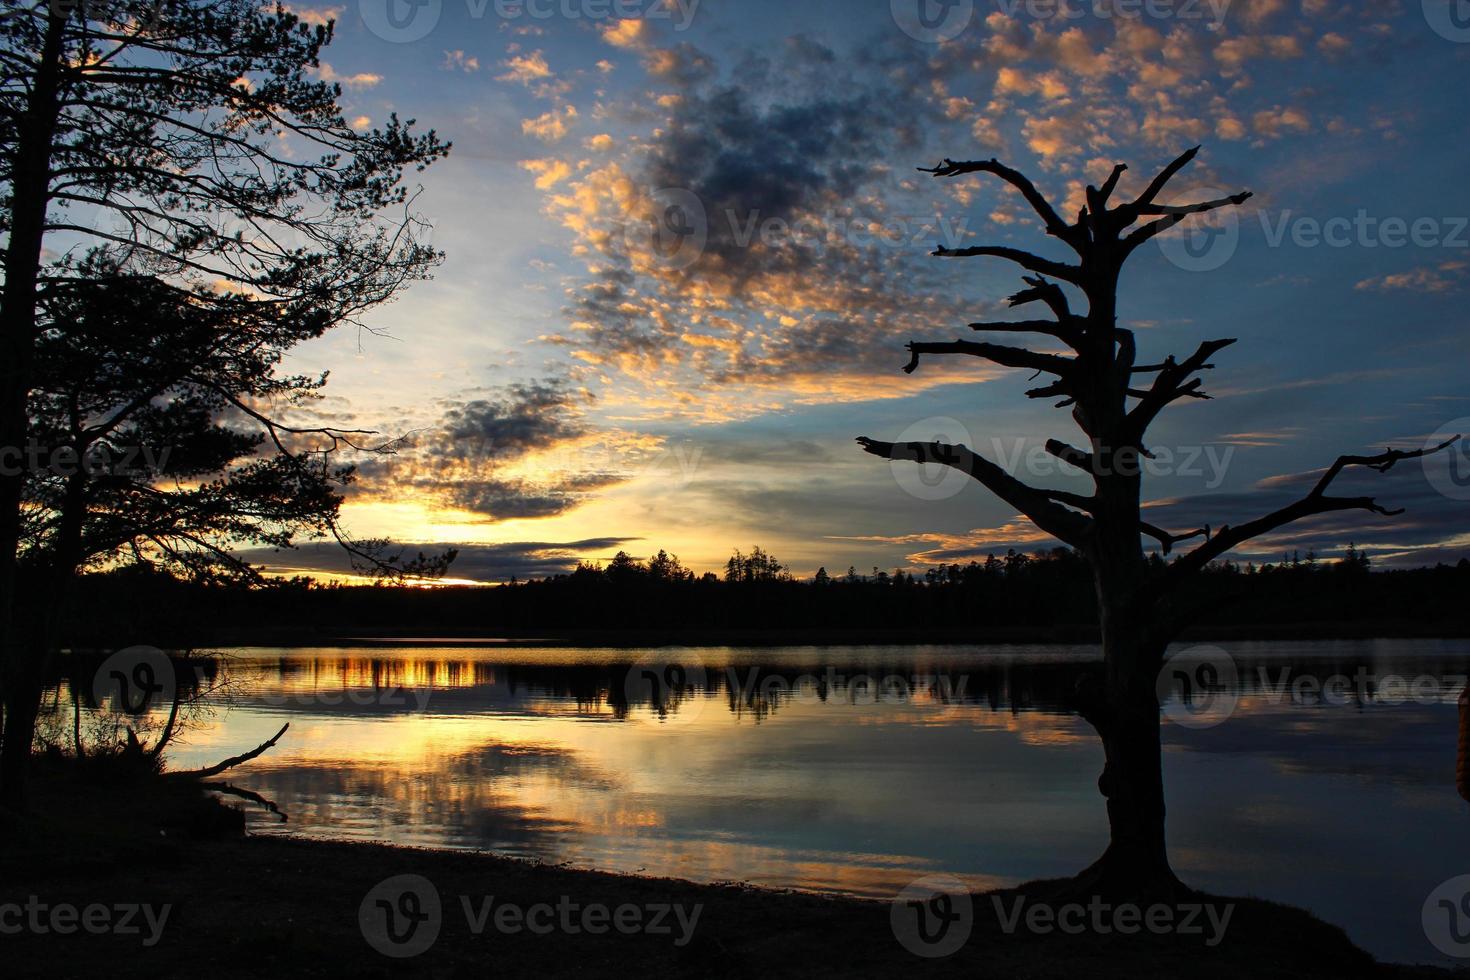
x: 28, y: 681
x: 1135, y: 866
x: 20, y: 734
x: 30, y: 194
x: 1137, y: 617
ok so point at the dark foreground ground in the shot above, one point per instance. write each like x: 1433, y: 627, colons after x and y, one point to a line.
x: 281, y: 907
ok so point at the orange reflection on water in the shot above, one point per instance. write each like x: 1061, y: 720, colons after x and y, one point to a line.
x: 517, y: 752
x: 820, y: 780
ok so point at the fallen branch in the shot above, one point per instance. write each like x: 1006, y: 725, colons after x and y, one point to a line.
x: 233, y: 761
x: 245, y: 794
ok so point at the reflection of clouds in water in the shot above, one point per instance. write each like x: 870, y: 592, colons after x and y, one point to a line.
x: 461, y: 799
x: 823, y: 801
x: 538, y: 753
x: 1408, y: 744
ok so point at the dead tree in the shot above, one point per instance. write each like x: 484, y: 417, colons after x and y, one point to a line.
x: 1113, y: 402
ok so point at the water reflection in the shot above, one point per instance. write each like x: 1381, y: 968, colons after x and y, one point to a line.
x: 857, y: 769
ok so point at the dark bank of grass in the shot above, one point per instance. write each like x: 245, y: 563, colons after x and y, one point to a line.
x: 287, y: 907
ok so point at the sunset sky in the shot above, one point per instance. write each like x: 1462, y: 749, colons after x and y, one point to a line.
x: 575, y: 384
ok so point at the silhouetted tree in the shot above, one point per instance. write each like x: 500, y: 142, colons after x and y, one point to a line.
x: 1139, y: 612
x: 156, y: 410
x: 758, y: 566
x: 194, y: 142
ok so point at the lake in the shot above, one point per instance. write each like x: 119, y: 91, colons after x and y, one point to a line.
x: 858, y: 769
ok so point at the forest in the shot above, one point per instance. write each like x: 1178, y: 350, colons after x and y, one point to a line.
x: 1046, y: 595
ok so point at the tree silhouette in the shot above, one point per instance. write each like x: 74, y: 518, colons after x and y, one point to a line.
x: 1140, y: 609
x: 196, y: 142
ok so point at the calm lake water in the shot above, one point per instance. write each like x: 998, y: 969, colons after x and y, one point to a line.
x: 858, y: 769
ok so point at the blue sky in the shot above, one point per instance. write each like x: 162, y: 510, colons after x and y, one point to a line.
x: 576, y: 382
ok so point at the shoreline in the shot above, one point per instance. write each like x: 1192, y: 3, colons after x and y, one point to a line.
x: 303, y: 898
x: 227, y: 904
x: 288, y: 638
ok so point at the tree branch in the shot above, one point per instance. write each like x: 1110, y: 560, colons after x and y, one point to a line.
x: 1158, y: 183
x: 1046, y: 292
x: 1070, y: 455
x: 1111, y: 183
x: 1016, y: 357
x: 1172, y: 384
x: 1056, y: 520
x: 246, y: 794
x: 1053, y: 390
x: 1175, y: 214
x: 1057, y: 270
x: 233, y: 761
x: 1068, y: 333
x: 1314, y: 503
x: 1169, y: 540
x: 1055, y: 226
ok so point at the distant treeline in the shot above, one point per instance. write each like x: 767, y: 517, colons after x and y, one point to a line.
x: 1048, y: 595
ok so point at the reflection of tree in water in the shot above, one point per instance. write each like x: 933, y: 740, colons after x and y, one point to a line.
x: 754, y: 688
x: 73, y: 722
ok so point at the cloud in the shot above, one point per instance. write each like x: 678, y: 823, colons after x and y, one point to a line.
x: 683, y: 64
x: 1263, y: 439
x: 550, y: 126
x: 525, y: 69
x: 528, y: 417
x: 315, y: 16
x: 1076, y: 90
x: 1334, y: 45
x: 777, y: 163
x: 528, y: 452
x: 805, y: 278
x: 1233, y: 54
x: 505, y: 500
x: 1429, y: 279
x: 631, y: 33
x: 548, y: 173
x: 975, y: 545
x: 362, y: 79
x: 459, y: 61
x: 476, y: 562
x: 1278, y: 119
